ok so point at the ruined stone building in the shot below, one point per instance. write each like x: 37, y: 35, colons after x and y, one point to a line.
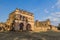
x: 44, y: 26
x: 20, y: 20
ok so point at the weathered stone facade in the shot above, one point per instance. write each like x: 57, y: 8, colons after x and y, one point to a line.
x: 43, y: 26
x: 20, y: 20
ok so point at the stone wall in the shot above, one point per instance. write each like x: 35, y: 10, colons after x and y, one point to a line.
x: 43, y: 26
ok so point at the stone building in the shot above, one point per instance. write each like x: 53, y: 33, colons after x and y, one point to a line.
x: 43, y: 26
x: 2, y: 26
x: 20, y: 20
x: 58, y: 26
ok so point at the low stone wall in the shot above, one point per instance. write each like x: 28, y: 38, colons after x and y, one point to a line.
x: 40, y: 29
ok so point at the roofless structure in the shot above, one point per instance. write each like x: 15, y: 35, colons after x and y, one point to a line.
x: 20, y: 20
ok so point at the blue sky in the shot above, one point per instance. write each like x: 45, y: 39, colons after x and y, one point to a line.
x: 42, y: 9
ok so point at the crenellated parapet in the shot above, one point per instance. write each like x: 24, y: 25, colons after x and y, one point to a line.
x: 24, y: 12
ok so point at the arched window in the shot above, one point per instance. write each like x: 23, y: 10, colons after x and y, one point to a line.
x: 17, y: 16
x: 24, y: 18
x: 0, y: 28
x: 20, y: 17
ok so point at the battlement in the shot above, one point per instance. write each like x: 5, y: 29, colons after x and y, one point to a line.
x: 24, y: 12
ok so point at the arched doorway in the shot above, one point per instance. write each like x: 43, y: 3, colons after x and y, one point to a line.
x: 28, y: 27
x: 21, y: 26
x: 0, y: 28
x: 50, y: 27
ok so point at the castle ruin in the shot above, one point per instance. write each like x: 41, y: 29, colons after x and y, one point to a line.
x: 20, y: 20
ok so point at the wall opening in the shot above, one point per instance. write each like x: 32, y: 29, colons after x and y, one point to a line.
x: 28, y: 27
x: 21, y: 26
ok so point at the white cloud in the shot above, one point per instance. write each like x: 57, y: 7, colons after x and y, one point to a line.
x: 46, y: 11
x: 56, y: 14
x: 54, y: 18
x: 58, y: 4
x: 52, y: 7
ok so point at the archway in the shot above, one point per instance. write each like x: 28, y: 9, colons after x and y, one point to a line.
x: 50, y: 27
x: 28, y: 27
x: 21, y: 26
x: 0, y: 28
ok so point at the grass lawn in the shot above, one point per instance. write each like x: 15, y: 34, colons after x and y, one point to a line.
x: 30, y: 36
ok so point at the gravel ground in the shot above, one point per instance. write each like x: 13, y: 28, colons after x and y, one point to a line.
x: 30, y: 36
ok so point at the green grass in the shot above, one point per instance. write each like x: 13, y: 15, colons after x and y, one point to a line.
x: 50, y: 35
